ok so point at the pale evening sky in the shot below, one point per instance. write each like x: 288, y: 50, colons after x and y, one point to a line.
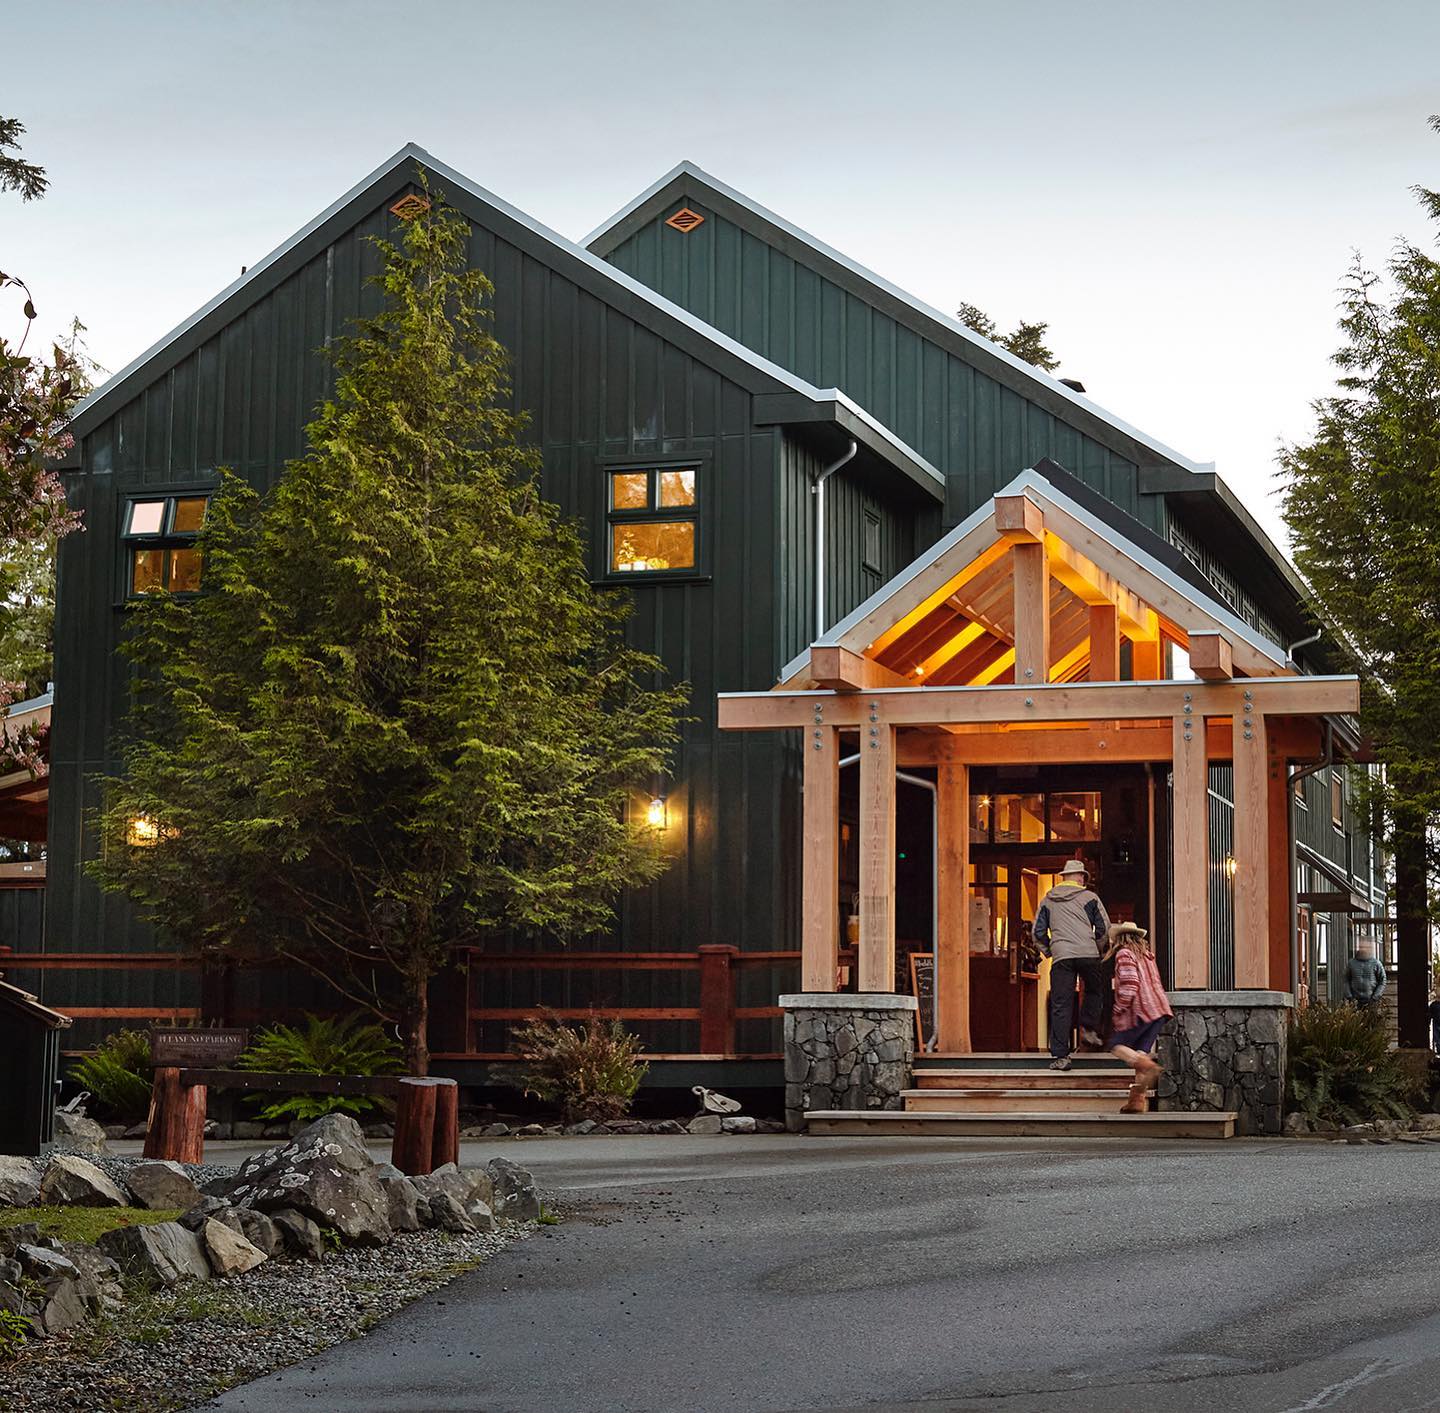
x: 1177, y: 189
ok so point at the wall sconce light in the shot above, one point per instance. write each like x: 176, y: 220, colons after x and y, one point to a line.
x: 1230, y: 866
x: 141, y: 831
x: 657, y: 812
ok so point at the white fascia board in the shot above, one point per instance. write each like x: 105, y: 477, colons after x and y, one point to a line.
x: 882, y: 431
x: 918, y: 305
x: 1044, y: 490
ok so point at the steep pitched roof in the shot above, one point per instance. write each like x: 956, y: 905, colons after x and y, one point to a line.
x: 999, y: 362
x: 635, y: 299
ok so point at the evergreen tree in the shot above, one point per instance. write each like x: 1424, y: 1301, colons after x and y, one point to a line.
x: 1026, y: 340
x: 398, y: 719
x: 1362, y: 502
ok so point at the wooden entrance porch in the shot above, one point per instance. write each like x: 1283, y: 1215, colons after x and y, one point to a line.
x: 1036, y: 636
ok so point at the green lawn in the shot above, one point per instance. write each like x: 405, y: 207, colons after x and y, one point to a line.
x: 81, y: 1223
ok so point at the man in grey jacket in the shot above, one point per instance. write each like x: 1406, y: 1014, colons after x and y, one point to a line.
x: 1364, y: 977
x: 1070, y: 924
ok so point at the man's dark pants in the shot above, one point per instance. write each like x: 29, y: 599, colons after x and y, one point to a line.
x: 1063, y: 975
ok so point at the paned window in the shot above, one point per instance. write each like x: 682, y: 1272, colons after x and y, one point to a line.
x: 652, y: 520
x: 1337, y: 799
x: 159, y: 533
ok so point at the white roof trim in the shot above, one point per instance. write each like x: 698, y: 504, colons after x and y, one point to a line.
x: 1032, y: 480
x: 954, y: 325
x: 410, y: 154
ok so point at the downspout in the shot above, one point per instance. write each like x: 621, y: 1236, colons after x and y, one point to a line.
x: 817, y: 489
x: 1300, y: 773
x: 1301, y: 643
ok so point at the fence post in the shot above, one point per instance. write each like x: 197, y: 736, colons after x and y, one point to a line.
x: 445, y: 1147
x: 717, y: 1000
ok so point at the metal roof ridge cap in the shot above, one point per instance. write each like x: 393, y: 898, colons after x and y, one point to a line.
x: 919, y: 305
x: 683, y: 167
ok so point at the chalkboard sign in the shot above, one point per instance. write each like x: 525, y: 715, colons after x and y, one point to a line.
x: 179, y: 1048
x: 922, y: 983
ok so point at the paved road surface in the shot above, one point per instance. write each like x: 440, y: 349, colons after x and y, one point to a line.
x: 778, y: 1275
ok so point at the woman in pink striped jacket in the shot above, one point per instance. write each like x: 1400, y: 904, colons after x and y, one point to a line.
x: 1141, y: 1009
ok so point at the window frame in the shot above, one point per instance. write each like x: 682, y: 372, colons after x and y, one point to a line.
x: 166, y: 538
x: 653, y: 513
x: 1337, y: 800
x: 872, y: 521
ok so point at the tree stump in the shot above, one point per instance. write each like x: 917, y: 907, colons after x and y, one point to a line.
x: 414, y: 1149
x: 176, y: 1128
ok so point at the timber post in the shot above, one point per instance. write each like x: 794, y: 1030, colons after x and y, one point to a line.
x: 176, y: 1127
x: 877, y: 853
x: 717, y: 999
x: 427, y: 1132
x: 820, y: 859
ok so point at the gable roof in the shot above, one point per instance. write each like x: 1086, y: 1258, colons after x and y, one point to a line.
x: 634, y: 299
x: 1096, y: 528
x: 999, y: 362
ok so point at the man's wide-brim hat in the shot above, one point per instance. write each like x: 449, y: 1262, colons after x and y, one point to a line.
x: 1120, y: 930
x: 1074, y: 867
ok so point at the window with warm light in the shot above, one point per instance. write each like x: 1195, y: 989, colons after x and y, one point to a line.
x: 652, y: 520
x: 159, y: 534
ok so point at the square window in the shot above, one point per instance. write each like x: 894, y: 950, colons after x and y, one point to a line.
x: 189, y: 515
x: 677, y: 488
x: 184, y: 571
x: 630, y: 490
x: 649, y: 546
x: 147, y: 571
x: 147, y: 517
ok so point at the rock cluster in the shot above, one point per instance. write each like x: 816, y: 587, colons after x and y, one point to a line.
x: 1226, y: 1058
x: 296, y: 1201
x: 1424, y: 1128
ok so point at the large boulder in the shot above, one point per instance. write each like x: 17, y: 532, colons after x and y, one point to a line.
x: 161, y: 1253
x: 301, y: 1237
x: 228, y: 1252
x: 325, y: 1173
x: 162, y: 1186
x: 463, y: 1185
x: 43, y: 1263
x: 65, y: 1304
x: 447, y: 1214
x: 72, y: 1182
x: 516, y: 1197
x: 74, y: 1133
x: 19, y: 1182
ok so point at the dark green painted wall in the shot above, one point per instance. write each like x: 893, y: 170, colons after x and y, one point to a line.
x: 784, y: 306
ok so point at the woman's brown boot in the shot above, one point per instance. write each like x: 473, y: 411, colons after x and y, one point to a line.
x: 1136, y: 1103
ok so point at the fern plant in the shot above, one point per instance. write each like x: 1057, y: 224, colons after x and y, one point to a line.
x: 15, y: 1329
x: 321, y: 1045
x: 118, y: 1075
x: 1341, y: 1068
x: 590, y: 1071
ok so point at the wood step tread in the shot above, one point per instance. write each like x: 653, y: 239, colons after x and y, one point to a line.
x: 899, y: 1122
x: 961, y: 1092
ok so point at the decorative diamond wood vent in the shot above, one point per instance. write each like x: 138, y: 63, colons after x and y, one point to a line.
x: 685, y: 220
x: 410, y: 206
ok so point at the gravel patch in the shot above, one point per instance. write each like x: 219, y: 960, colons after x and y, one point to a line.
x: 175, y: 1349
x: 116, y: 1165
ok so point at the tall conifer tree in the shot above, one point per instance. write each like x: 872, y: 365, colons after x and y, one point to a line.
x: 1362, y: 501
x: 398, y: 718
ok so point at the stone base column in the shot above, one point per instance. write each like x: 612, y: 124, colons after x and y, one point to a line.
x: 846, y: 1051
x: 1225, y: 1050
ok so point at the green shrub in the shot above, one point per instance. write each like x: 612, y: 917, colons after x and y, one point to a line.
x: 1341, y: 1068
x: 15, y: 1329
x: 590, y: 1071
x: 322, y: 1045
x: 118, y: 1075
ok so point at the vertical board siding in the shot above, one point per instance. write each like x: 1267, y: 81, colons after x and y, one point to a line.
x: 960, y: 419
x: 595, y: 384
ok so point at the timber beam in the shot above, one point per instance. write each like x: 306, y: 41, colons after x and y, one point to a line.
x: 1083, y: 745
x: 1212, y: 657
x: 844, y: 671
x: 1075, y: 701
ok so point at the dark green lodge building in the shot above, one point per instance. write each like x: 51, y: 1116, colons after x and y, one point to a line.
x: 692, y: 373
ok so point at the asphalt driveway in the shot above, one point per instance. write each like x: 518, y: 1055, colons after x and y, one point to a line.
x: 774, y: 1275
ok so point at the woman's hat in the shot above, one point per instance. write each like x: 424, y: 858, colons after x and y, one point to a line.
x: 1073, y: 867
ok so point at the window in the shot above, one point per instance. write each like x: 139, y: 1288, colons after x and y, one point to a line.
x: 159, y: 537
x: 652, y: 520
x: 1337, y: 799
x: 871, y: 554
x: 1299, y: 787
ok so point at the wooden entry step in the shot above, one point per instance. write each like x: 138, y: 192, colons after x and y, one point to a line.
x: 1013, y: 1060
x: 897, y: 1123
x: 1024, y: 1101
x: 1117, y: 1077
